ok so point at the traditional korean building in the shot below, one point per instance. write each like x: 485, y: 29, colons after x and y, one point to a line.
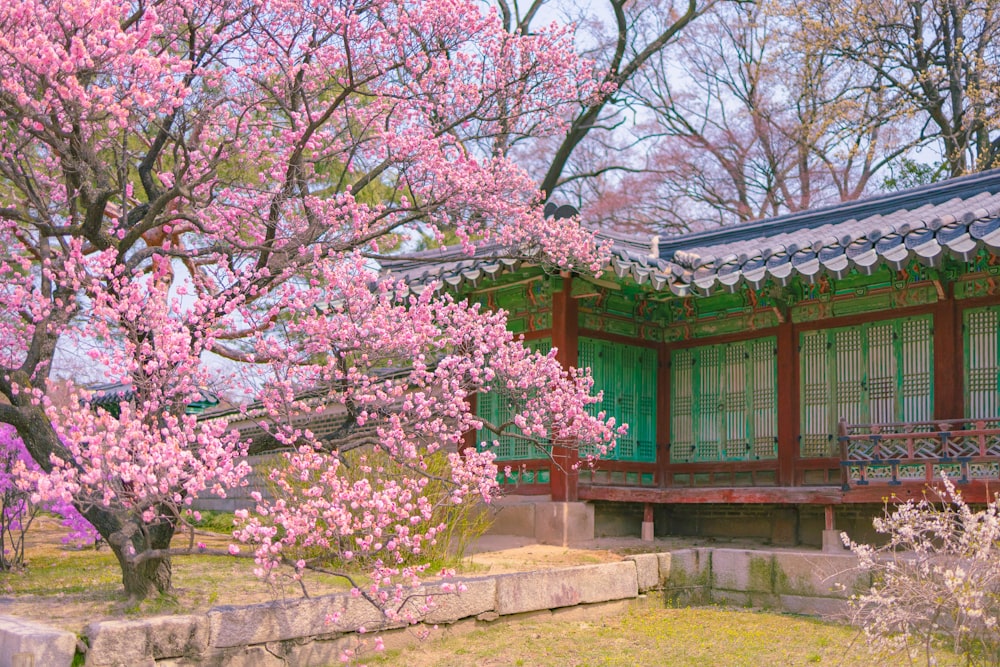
x: 780, y: 378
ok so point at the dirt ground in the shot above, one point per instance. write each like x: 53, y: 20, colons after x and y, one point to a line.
x: 69, y: 587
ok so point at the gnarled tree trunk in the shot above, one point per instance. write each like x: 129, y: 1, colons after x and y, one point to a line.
x: 142, y: 552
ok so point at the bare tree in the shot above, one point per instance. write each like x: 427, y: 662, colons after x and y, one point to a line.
x: 747, y: 117
x: 623, y: 38
x: 941, y: 58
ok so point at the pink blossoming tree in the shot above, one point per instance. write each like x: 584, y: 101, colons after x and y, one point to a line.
x: 183, y: 179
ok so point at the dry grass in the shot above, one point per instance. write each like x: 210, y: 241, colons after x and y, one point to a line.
x: 651, y: 635
x: 69, y: 587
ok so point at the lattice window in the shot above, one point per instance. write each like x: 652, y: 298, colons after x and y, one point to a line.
x: 762, y: 398
x: 917, y: 372
x: 682, y: 412
x: 982, y: 362
x: 816, y: 396
x: 627, y: 376
x: 876, y: 372
x: 497, y: 408
x: 723, y: 403
x: 707, y: 446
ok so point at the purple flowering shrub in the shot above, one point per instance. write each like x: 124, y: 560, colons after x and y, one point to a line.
x: 17, y: 511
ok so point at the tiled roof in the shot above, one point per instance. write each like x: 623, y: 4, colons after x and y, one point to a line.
x: 452, y: 266
x: 955, y: 217
x: 634, y: 256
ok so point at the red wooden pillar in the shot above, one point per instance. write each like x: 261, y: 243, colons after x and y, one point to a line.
x: 564, y: 478
x: 662, y: 415
x: 648, y: 533
x: 469, y: 437
x: 788, y: 403
x: 948, y: 395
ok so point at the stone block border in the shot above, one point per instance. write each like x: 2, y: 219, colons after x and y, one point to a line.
x: 298, y: 633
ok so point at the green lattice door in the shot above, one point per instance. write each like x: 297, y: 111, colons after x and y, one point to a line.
x: 873, y: 373
x: 627, y: 376
x: 724, y: 402
x: 982, y: 362
x: 496, y: 408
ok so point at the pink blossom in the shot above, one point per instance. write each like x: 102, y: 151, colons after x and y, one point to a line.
x: 185, y: 182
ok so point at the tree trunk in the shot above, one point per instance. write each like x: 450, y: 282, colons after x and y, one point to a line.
x: 132, y: 542
x: 128, y: 537
x: 146, y: 579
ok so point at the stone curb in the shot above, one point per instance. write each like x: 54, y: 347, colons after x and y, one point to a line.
x: 48, y: 646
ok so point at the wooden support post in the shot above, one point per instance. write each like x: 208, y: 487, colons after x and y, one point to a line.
x: 662, y: 415
x: 788, y: 403
x: 564, y: 478
x: 469, y: 437
x: 831, y: 536
x: 647, y: 522
x: 948, y: 394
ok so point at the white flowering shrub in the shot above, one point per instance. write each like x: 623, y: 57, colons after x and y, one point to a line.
x: 936, y: 582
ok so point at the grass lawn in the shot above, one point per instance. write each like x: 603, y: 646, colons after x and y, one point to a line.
x: 68, y: 587
x: 652, y: 635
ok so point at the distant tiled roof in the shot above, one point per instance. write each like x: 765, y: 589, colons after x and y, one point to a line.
x: 111, y: 395
x: 955, y: 217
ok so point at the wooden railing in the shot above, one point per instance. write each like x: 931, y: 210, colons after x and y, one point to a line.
x: 962, y: 449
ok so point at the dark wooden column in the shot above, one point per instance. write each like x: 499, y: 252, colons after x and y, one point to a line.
x: 564, y: 478
x: 788, y: 403
x: 662, y: 415
x: 469, y: 437
x: 948, y: 395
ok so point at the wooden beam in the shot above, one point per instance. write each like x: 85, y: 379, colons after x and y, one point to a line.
x: 752, y: 495
x: 977, y: 492
x: 862, y: 318
x: 722, y: 466
x: 564, y: 479
x: 616, y: 338
x: 973, y: 492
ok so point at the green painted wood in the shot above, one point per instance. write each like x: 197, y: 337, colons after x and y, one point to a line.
x: 724, y: 402
x: 626, y: 374
x: 876, y: 372
x: 495, y: 407
x: 981, y: 344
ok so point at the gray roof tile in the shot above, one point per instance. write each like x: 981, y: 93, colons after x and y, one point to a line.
x: 957, y: 216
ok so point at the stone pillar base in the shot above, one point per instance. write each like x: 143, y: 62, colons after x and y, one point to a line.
x: 832, y: 544
x: 647, y: 531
